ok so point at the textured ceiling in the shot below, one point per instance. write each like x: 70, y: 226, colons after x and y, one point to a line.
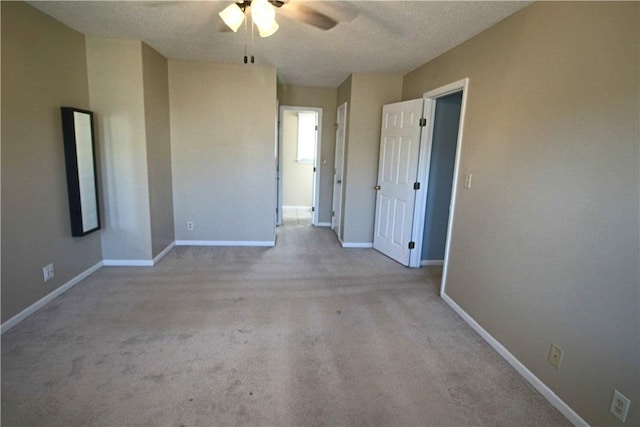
x: 372, y: 36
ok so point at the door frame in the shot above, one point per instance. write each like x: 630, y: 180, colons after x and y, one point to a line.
x: 423, y: 172
x: 315, y: 198
x: 336, y: 218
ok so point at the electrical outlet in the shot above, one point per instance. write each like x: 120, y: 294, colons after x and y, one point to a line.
x: 47, y: 272
x: 190, y: 225
x: 619, y: 405
x: 555, y: 356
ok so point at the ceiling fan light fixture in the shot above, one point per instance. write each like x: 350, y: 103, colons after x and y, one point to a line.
x: 266, y: 32
x: 233, y: 16
x: 264, y: 16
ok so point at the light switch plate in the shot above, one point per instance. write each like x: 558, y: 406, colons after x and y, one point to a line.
x: 467, y: 180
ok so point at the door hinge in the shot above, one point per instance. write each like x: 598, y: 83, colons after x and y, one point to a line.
x: 314, y: 169
x: 416, y: 185
x: 412, y: 245
x: 313, y: 209
x: 316, y: 127
x: 423, y: 122
x: 333, y: 213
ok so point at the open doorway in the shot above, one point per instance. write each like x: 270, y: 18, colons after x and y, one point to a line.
x: 444, y: 139
x: 440, y: 182
x: 417, y: 176
x: 298, y: 148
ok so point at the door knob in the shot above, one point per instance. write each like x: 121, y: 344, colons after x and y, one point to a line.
x: 377, y: 187
x: 339, y: 181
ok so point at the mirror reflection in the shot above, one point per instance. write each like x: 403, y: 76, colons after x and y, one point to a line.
x: 77, y: 127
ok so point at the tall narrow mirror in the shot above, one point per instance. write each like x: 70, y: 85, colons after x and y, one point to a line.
x: 79, y: 151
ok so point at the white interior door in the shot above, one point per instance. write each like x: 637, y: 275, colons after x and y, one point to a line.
x: 336, y: 219
x: 307, y: 159
x: 278, y: 158
x: 397, y: 173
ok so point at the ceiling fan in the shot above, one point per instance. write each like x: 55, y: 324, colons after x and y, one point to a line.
x: 263, y: 15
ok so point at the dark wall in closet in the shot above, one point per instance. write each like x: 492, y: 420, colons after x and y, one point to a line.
x: 443, y: 153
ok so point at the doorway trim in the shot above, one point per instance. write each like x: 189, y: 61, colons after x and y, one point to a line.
x: 338, y: 179
x: 315, y: 199
x: 423, y: 171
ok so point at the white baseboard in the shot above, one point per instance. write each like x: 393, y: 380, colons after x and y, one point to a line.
x: 432, y: 262
x: 164, y: 252
x: 542, y: 388
x: 323, y: 224
x: 267, y: 243
x: 128, y: 263
x: 356, y: 245
x: 47, y: 298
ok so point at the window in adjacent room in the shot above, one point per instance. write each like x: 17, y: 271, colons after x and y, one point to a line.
x: 306, y: 137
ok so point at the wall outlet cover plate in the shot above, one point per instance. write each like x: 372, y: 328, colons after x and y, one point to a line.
x: 555, y: 356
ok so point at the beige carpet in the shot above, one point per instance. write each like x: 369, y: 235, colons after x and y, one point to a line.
x: 303, y: 334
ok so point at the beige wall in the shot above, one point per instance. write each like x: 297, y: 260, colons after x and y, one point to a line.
x: 223, y: 127
x: 545, y: 246
x: 155, y: 75
x: 129, y: 89
x: 297, y: 178
x: 325, y: 98
x: 43, y: 68
x: 117, y: 94
x: 369, y: 92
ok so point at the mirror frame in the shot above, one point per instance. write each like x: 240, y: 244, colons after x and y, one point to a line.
x: 82, y: 175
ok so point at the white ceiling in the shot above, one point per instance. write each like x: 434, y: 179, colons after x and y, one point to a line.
x: 372, y: 36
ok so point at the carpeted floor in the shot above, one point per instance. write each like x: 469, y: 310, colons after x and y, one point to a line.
x: 303, y: 334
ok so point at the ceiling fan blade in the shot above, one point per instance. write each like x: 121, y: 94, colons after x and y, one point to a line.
x: 162, y: 3
x: 340, y: 11
x: 308, y: 15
